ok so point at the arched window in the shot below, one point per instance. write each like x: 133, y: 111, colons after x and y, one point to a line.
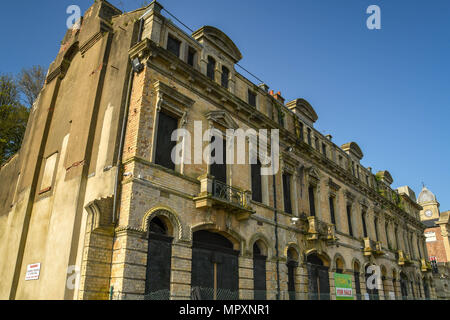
x: 292, y: 264
x: 318, y: 278
x: 259, y: 272
x: 404, y: 286
x: 159, y: 256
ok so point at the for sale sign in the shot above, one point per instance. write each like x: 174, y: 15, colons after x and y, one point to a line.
x: 33, y: 271
x: 343, y: 284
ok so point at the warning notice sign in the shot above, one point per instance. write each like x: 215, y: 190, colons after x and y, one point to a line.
x: 33, y: 271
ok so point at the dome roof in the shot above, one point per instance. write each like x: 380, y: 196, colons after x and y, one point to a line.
x: 426, y: 196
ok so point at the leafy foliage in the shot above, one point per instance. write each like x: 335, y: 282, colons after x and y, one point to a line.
x: 13, y: 118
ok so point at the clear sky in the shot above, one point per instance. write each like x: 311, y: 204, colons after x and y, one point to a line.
x: 387, y: 90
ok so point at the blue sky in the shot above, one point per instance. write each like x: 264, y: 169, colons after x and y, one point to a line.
x: 387, y: 90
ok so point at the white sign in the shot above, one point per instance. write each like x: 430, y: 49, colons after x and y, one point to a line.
x: 430, y: 236
x: 392, y: 295
x: 33, y: 271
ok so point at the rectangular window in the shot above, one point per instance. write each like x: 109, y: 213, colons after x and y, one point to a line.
x: 333, y: 218
x: 349, y: 220
x: 309, y: 136
x: 386, y: 228
x: 225, y: 77
x: 353, y: 168
x: 324, y: 149
x: 191, y: 56
x: 256, y: 182
x: 376, y: 228
x: 287, y: 193
x: 363, y: 216
x: 173, y: 45
x: 301, y: 131
x: 316, y: 140
x: 281, y: 118
x: 211, y: 68
x: 312, y: 202
x: 251, y: 98
x: 164, y: 146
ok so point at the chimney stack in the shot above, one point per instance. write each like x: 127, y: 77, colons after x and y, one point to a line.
x: 277, y: 96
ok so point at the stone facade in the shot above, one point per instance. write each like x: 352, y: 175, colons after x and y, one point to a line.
x: 105, y: 188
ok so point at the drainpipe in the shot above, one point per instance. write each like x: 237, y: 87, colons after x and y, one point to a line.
x: 276, y: 228
x: 123, y: 130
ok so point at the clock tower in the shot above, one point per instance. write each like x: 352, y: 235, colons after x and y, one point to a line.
x: 430, y: 205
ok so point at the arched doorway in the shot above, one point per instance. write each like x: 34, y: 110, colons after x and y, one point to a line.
x: 292, y: 264
x: 259, y: 271
x: 404, y: 286
x: 215, y: 267
x: 372, y: 292
x: 319, y: 282
x: 426, y: 289
x: 159, y: 256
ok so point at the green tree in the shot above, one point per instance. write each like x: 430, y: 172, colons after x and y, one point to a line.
x: 13, y: 118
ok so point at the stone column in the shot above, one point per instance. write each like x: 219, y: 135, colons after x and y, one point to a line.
x: 181, y: 267
x: 246, y: 285
x: 301, y: 283
x: 284, y: 293
x: 271, y: 279
x: 129, y: 264
x: 332, y: 286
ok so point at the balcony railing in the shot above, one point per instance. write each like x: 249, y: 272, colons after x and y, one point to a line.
x: 425, y: 265
x: 215, y: 193
x: 227, y: 193
x: 318, y: 229
x: 372, y: 247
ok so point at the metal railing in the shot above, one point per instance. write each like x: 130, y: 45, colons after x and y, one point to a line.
x: 229, y: 194
x: 210, y: 294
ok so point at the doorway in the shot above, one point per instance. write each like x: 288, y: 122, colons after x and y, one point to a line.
x: 215, y: 267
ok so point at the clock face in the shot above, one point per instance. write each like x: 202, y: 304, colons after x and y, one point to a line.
x: 428, y: 213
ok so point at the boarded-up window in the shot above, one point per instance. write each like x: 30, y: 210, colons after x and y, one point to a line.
x: 332, y: 215
x: 259, y: 273
x: 219, y: 168
x: 159, y: 256
x: 211, y: 68
x: 173, y: 45
x: 225, y: 77
x: 49, y: 170
x: 251, y: 98
x: 287, y: 193
x: 312, y: 202
x: 191, y: 56
x: 256, y: 182
x: 349, y: 220
x: 164, y: 146
x: 363, y: 216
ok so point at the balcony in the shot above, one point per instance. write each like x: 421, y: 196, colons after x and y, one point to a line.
x: 216, y: 194
x: 403, y: 258
x: 372, y: 247
x: 319, y: 230
x: 425, y: 265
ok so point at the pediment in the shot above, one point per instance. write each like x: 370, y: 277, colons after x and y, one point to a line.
x: 220, y: 40
x: 222, y: 118
x: 303, y: 108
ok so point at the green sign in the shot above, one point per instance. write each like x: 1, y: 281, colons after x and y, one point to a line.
x: 343, y: 285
